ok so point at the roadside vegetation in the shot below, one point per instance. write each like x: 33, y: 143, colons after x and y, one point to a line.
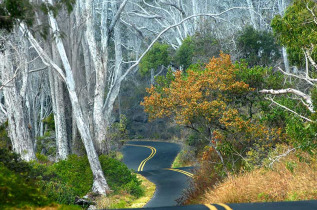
x: 33, y: 184
x: 290, y: 179
x: 126, y: 200
x: 243, y: 104
x: 251, y: 125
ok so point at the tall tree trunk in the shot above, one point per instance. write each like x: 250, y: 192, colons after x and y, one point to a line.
x: 99, y: 184
x: 252, y: 14
x: 18, y: 129
x: 56, y: 87
x: 281, y: 8
x: 115, y: 88
x: 99, y: 123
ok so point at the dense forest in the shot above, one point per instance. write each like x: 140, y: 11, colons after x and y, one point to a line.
x: 232, y: 81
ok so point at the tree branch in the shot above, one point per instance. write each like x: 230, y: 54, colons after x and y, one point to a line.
x: 44, y: 57
x: 116, y: 17
x: 155, y: 40
x: 288, y: 109
x: 307, y: 78
x: 306, y: 97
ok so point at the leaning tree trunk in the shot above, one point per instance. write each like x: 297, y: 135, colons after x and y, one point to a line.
x: 17, y: 127
x: 99, y: 184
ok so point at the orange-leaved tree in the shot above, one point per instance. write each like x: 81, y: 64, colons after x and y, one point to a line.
x: 203, y: 99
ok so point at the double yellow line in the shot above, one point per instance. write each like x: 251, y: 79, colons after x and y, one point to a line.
x: 212, y: 207
x: 141, y: 166
x: 181, y: 171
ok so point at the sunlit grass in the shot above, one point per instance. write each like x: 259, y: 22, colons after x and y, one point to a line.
x: 125, y: 200
x: 289, y: 180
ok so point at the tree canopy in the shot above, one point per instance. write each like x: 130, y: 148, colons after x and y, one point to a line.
x: 297, y: 30
x: 258, y: 47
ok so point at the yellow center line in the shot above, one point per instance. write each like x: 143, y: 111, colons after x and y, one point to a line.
x: 224, y: 206
x: 211, y: 207
x: 153, y: 152
x: 181, y: 171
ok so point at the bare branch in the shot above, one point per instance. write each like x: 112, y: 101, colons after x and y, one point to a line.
x: 155, y: 40
x: 10, y: 80
x: 306, y: 97
x: 277, y: 158
x: 312, y: 12
x: 290, y: 110
x: 39, y: 69
x: 176, y: 7
x: 116, y: 17
x: 45, y: 58
x: 311, y: 59
x: 146, y: 16
x: 307, y: 78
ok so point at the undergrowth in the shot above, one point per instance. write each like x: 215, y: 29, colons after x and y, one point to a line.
x: 292, y: 178
x: 24, y: 184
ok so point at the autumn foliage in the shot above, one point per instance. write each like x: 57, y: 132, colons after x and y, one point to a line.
x: 197, y: 96
x: 210, y: 101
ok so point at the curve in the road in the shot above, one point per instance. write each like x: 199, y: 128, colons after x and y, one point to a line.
x: 153, y: 152
x: 170, y: 182
x: 155, y: 166
x: 181, y: 171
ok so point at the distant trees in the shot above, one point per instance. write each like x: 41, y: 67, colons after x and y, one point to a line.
x: 258, y: 47
x: 155, y: 61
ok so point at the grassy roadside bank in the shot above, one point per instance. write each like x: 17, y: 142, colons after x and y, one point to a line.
x: 293, y: 178
x: 125, y: 200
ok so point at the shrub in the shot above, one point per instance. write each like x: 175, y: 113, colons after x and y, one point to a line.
x: 76, y: 172
x: 119, y: 177
x: 17, y: 191
x: 14, y: 162
x: 58, y: 191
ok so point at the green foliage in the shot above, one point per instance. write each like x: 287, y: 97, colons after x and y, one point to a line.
x: 14, y: 163
x: 42, y: 158
x: 118, y: 130
x: 12, y: 11
x: 205, y: 47
x: 49, y: 121
x: 198, y: 48
x: 5, y: 141
x: 74, y: 171
x: 15, y: 11
x: 302, y: 135
x: 46, y: 142
x: 297, y: 30
x: 258, y: 47
x: 259, y: 78
x: 119, y: 177
x: 156, y: 57
x: 17, y: 191
x: 58, y: 191
x: 164, y: 81
x: 185, y: 53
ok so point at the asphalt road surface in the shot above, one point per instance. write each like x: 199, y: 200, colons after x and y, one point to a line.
x: 153, y: 160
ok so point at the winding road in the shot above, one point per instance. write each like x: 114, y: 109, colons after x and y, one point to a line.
x: 153, y: 160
